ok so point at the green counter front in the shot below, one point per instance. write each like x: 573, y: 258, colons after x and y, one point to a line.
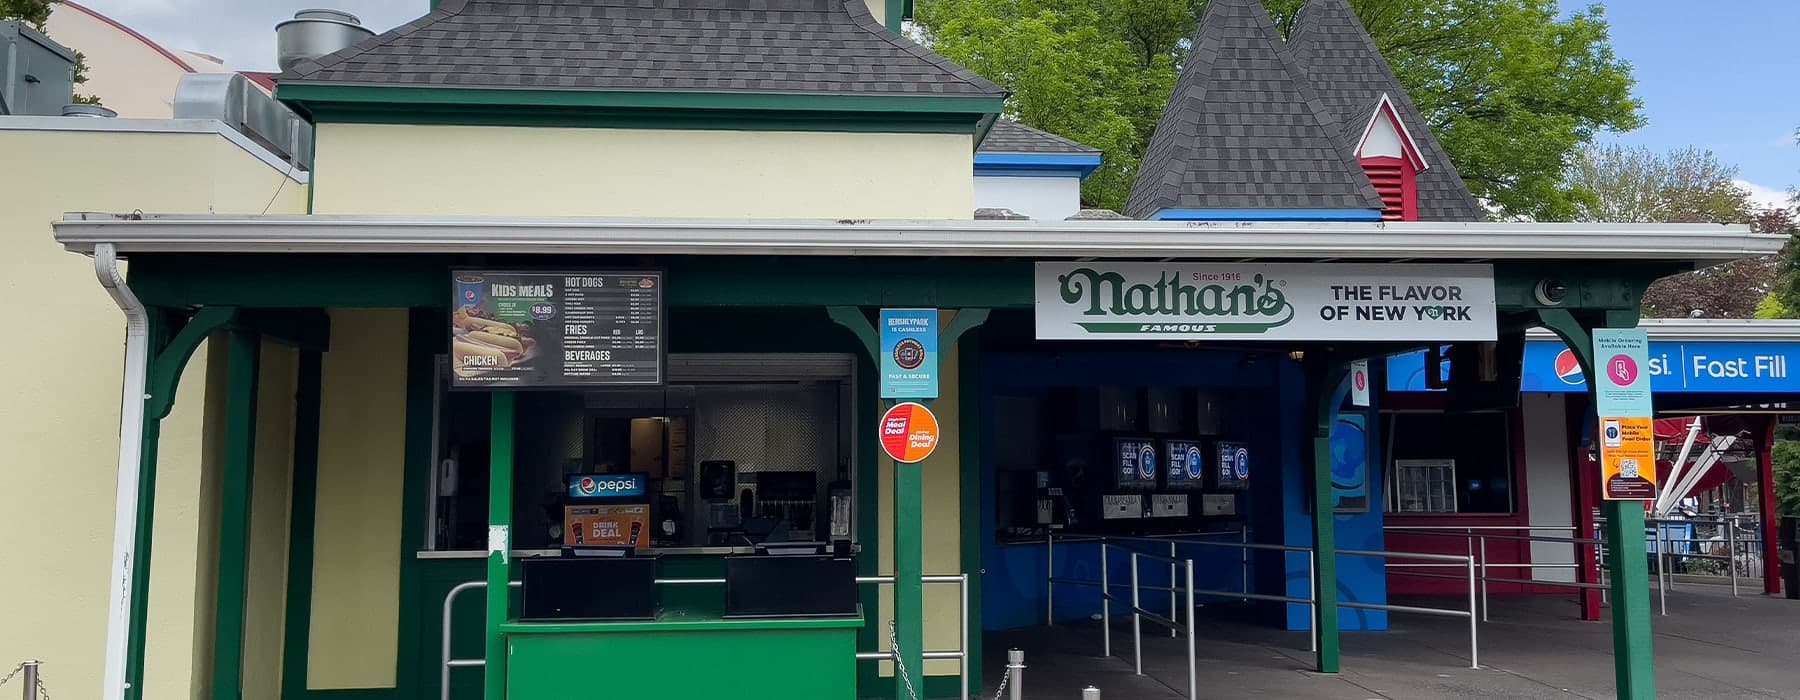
x: 683, y: 655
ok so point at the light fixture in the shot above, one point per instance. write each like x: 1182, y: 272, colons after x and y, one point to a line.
x: 1297, y: 355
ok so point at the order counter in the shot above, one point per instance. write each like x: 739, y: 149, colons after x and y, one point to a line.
x: 777, y: 626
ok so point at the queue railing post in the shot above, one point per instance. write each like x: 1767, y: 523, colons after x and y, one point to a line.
x: 1312, y: 599
x: 1484, y: 579
x: 1193, y: 650
x: 1015, y: 673
x: 1172, y: 611
x: 1090, y: 693
x: 1474, y: 647
x: 1731, y: 552
x: 1050, y: 579
x: 1105, y: 604
x: 1137, y: 630
x: 1662, y: 565
x: 1244, y: 559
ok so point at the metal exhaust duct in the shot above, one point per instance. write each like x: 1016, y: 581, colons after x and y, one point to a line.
x: 314, y: 33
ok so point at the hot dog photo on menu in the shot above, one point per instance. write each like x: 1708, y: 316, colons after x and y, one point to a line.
x: 485, y: 337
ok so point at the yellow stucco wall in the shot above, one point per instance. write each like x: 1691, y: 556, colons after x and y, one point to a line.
x: 942, y: 521
x: 356, y: 555
x: 60, y: 420
x: 460, y: 170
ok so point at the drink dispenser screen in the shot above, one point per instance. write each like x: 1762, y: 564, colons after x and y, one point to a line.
x: 1187, y: 465
x: 1134, y: 464
x: 1233, y: 472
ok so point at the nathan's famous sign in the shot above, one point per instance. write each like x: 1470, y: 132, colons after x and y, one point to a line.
x: 1098, y: 300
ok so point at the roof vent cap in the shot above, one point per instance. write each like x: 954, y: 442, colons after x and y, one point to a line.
x: 314, y: 33
x: 86, y: 110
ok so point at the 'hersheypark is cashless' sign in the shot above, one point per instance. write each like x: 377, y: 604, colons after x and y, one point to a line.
x: 1184, y: 301
x: 1627, y: 442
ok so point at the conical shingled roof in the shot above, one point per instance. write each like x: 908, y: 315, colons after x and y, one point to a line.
x: 1244, y: 131
x: 1349, y: 75
x: 764, y: 46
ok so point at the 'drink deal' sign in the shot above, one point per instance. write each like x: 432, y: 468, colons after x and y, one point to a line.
x: 1186, y: 301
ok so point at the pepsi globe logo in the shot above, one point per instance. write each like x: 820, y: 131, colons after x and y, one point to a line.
x: 1240, y: 464
x: 1193, y: 464
x: 587, y: 485
x: 1147, y: 462
x: 1568, y: 368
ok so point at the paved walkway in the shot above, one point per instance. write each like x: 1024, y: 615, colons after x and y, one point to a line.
x: 1711, y: 646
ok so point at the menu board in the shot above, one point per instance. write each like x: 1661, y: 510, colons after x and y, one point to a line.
x: 556, y: 329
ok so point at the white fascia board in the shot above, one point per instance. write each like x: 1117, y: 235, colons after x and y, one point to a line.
x: 1710, y: 329
x: 1702, y: 244
x: 157, y: 126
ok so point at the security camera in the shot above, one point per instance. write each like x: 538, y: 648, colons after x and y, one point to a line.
x: 1552, y: 292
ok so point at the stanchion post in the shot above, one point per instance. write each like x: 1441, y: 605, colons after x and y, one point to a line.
x: 1090, y: 693
x: 1662, y: 564
x: 1193, y: 651
x: 1137, y: 622
x: 962, y: 664
x: 1015, y: 673
x: 30, y: 678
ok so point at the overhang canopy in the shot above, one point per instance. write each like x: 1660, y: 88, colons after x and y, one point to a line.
x: 1698, y: 244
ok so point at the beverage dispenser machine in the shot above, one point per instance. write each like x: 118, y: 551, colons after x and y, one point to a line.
x: 1134, y: 467
x: 1231, y: 478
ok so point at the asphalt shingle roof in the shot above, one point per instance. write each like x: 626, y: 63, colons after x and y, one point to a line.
x: 1009, y: 136
x: 770, y: 46
x: 1244, y: 131
x: 1349, y: 75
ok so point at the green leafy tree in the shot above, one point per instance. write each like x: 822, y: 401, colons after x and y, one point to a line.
x: 1786, y: 458
x: 1511, y: 87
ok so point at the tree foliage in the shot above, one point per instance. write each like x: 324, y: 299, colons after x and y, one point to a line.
x: 1511, y: 87
x: 1747, y: 288
x: 1634, y: 185
x: 32, y: 12
x: 1786, y: 459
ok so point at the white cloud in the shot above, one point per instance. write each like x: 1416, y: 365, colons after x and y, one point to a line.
x: 1763, y: 197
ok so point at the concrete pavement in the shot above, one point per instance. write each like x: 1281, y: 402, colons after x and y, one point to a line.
x: 1710, y: 646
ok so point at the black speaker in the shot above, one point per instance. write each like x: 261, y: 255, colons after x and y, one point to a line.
x: 589, y: 588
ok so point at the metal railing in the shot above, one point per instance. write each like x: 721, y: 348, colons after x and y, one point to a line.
x: 1476, y: 542
x: 1107, y: 596
x: 960, y: 654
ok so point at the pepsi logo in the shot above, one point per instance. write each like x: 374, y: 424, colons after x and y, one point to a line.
x: 1147, y: 462
x: 587, y: 485
x: 1241, y: 464
x: 1568, y: 368
x: 1193, y: 464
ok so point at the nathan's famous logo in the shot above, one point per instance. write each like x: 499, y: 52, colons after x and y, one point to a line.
x: 1252, y: 305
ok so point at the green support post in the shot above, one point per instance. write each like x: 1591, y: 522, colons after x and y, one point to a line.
x: 499, y: 559
x: 909, y: 591
x: 1324, y: 525
x: 242, y: 360
x: 1633, y: 658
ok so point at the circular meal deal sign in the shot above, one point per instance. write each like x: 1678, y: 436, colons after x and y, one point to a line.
x: 909, y: 432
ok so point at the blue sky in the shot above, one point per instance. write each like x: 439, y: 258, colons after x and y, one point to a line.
x: 1722, y: 75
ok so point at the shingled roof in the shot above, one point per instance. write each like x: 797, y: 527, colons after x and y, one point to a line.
x: 760, y: 46
x: 1244, y: 131
x: 1009, y: 136
x: 1349, y: 76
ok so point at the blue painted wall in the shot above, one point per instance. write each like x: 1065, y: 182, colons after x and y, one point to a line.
x: 1278, y: 427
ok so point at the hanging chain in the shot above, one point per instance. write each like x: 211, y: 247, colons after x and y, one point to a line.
x: 43, y: 692
x: 8, y: 679
x: 1004, y: 677
x: 899, y: 666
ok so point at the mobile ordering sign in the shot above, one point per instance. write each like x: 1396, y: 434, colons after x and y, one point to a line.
x: 1627, y: 442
